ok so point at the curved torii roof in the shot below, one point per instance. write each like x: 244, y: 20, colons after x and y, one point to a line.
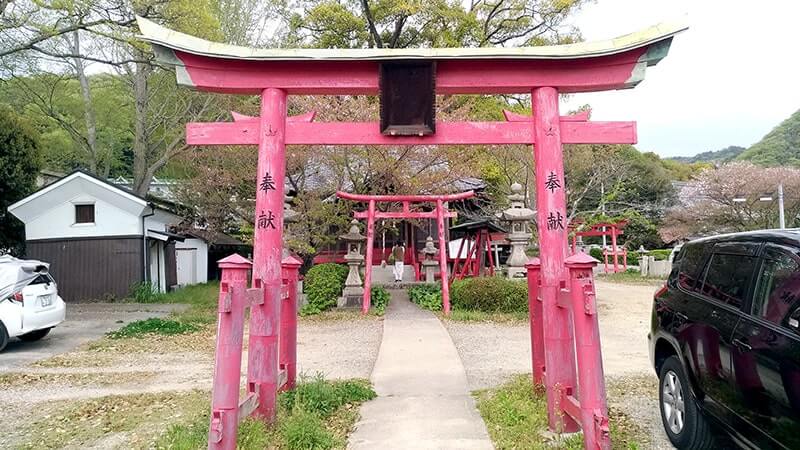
x: 586, y: 66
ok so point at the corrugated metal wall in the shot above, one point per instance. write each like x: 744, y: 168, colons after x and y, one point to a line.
x: 91, y: 269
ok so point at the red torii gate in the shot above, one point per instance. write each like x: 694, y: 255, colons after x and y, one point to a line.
x: 439, y: 213
x: 542, y: 72
x: 605, y: 229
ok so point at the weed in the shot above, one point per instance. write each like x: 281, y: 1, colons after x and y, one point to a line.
x: 145, y: 292
x: 460, y: 315
x: 516, y: 417
x: 317, y: 414
x: 153, y: 325
x: 324, y: 397
x: 304, y: 430
x: 380, y: 299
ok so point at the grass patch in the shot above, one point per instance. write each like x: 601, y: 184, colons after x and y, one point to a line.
x: 200, y: 313
x: 516, y: 417
x: 630, y: 277
x: 82, y: 423
x: 318, y: 414
x: 460, y: 315
x: 153, y: 325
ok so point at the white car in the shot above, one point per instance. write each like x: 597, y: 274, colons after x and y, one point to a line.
x: 29, y: 301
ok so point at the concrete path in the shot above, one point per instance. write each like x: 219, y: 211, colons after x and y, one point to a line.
x: 423, y: 400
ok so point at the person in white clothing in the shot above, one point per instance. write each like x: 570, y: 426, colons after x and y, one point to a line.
x: 398, y: 254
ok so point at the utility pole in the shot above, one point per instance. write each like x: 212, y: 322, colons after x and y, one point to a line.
x: 603, y: 208
x: 781, y: 218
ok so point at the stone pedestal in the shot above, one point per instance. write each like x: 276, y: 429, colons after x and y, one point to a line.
x: 430, y: 270
x: 518, y: 258
x: 353, y: 292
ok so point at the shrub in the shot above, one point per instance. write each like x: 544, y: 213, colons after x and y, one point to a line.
x: 633, y: 258
x: 596, y: 253
x: 490, y: 294
x: 153, y: 326
x: 380, y: 299
x: 323, y: 285
x: 428, y: 296
x: 660, y: 255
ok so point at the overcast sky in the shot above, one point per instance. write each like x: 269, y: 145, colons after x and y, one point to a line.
x: 728, y: 80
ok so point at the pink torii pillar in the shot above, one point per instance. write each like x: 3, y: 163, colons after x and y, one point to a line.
x: 262, y: 364
x: 551, y: 218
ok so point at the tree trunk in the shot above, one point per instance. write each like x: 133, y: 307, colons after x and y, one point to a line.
x: 88, y: 107
x: 140, y: 138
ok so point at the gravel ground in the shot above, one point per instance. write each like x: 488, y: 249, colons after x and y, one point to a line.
x: 338, y: 346
x: 339, y: 349
x: 492, y: 352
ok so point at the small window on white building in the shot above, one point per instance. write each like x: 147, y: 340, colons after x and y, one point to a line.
x: 84, y: 213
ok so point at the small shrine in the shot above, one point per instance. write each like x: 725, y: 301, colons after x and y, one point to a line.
x: 520, y: 218
x: 353, y: 289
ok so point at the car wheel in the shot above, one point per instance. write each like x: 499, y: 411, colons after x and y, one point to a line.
x: 684, y: 423
x: 3, y: 337
x: 34, y: 335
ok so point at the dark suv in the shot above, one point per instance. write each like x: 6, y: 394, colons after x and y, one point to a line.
x: 725, y: 342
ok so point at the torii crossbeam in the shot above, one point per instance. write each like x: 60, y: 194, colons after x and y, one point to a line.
x: 413, y: 77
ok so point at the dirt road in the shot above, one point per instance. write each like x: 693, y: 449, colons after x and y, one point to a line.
x: 85, y: 322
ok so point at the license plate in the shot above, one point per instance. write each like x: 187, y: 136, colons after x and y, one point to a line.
x: 46, y: 300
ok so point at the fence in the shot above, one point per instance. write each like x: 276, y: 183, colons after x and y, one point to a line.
x: 650, y: 267
x: 272, y: 355
x: 583, y: 402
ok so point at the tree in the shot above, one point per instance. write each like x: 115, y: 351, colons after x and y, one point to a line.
x: 19, y: 166
x: 104, y: 32
x: 434, y: 23
x: 728, y: 199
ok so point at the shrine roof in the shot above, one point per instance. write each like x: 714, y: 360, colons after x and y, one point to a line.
x: 165, y: 39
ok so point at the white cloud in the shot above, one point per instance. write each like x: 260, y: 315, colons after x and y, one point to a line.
x: 728, y: 80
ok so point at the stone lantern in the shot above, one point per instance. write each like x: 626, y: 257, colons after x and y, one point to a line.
x: 520, y: 218
x: 353, y: 290
x: 289, y: 217
x: 429, y: 262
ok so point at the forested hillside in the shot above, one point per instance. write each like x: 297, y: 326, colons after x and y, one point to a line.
x: 779, y: 147
x: 718, y: 156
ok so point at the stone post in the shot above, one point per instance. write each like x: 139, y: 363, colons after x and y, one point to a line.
x: 519, y: 217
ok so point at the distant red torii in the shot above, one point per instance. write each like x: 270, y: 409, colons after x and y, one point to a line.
x: 439, y: 213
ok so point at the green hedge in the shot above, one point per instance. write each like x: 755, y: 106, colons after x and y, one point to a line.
x: 490, y: 294
x: 428, y: 296
x: 596, y: 253
x: 323, y: 284
x: 486, y: 294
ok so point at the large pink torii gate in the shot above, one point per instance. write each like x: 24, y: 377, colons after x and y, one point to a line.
x: 439, y: 213
x: 560, y: 290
